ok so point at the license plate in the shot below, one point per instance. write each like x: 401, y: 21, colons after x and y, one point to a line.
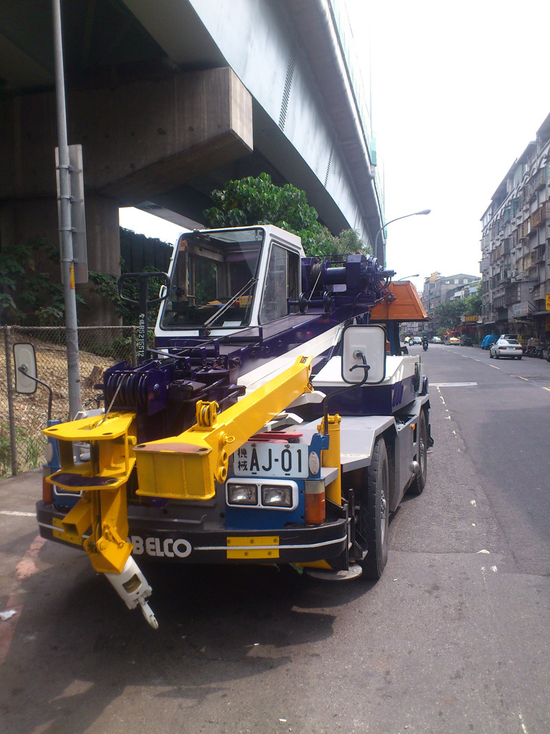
x: 271, y: 460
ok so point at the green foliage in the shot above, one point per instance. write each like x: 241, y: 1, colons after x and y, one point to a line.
x: 347, y: 242
x: 28, y: 293
x: 250, y: 201
x: 29, y: 449
x: 259, y: 201
x: 448, y: 314
x: 106, y: 286
x: 5, y: 450
x: 473, y: 303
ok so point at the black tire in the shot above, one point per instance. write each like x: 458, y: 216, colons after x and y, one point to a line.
x: 374, y: 512
x: 419, y: 482
x: 490, y: 355
x: 519, y: 357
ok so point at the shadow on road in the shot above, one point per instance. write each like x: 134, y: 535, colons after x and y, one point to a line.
x: 76, y: 648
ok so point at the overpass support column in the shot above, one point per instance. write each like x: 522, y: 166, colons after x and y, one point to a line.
x: 34, y: 220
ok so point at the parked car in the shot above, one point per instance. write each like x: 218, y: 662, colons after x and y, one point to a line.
x: 506, y: 347
x: 435, y: 340
x: 488, y: 340
x: 466, y: 341
x: 453, y: 340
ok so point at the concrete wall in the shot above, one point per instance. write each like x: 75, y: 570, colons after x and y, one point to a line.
x: 138, y: 140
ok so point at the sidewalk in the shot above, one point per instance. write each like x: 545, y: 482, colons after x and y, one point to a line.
x: 20, y: 493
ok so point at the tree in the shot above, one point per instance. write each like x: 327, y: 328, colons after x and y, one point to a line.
x: 473, y: 303
x: 250, y: 201
x: 448, y: 314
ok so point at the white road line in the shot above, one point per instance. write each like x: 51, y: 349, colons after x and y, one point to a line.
x: 453, y: 384
x: 15, y: 513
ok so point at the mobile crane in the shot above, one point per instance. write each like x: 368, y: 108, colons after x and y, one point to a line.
x: 276, y: 420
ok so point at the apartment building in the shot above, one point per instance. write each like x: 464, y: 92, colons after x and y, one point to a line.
x: 439, y: 289
x: 515, y: 234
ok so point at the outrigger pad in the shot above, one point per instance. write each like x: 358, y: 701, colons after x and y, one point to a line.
x: 77, y: 481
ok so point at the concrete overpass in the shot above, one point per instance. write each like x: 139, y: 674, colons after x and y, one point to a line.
x: 172, y: 98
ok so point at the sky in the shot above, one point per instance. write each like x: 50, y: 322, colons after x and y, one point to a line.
x: 149, y: 225
x: 458, y: 91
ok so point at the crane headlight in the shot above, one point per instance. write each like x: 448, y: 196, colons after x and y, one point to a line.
x: 276, y: 495
x: 242, y: 494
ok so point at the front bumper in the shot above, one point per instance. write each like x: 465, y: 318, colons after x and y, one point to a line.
x: 172, y: 542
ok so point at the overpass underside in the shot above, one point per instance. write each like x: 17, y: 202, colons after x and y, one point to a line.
x: 169, y: 100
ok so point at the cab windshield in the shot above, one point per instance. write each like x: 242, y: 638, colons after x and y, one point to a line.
x: 213, y: 280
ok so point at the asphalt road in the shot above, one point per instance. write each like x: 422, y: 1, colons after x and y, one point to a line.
x: 453, y: 638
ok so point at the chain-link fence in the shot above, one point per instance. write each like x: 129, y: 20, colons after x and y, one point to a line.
x: 22, y: 417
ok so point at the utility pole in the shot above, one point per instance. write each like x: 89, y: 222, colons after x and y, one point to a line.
x: 65, y: 228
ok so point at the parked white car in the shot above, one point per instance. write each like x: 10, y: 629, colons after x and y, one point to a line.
x: 506, y: 347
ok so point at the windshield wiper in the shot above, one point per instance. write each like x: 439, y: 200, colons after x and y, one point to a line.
x: 231, y: 301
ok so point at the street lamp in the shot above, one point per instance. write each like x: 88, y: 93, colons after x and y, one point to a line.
x: 414, y: 214
x: 408, y: 277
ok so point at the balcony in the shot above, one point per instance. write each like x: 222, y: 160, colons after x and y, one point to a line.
x: 540, y: 179
x: 539, y: 254
x: 511, y: 295
x: 520, y: 310
x: 538, y: 218
x: 496, y: 253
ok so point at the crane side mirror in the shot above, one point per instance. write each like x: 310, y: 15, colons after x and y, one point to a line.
x: 364, y: 354
x: 25, y: 368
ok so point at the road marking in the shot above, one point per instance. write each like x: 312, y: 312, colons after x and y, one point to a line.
x: 546, y: 388
x: 494, y: 366
x: 523, y: 378
x: 453, y: 384
x: 15, y: 513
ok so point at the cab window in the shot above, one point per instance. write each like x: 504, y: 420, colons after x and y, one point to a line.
x: 281, y: 284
